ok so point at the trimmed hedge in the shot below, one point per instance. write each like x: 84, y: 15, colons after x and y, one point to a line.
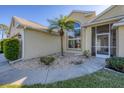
x: 116, y: 63
x: 47, y: 60
x: 1, y: 45
x: 11, y: 49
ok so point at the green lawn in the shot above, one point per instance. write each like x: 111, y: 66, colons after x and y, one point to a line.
x: 102, y: 79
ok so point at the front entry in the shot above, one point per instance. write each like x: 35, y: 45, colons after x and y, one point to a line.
x: 103, y: 45
x: 103, y: 41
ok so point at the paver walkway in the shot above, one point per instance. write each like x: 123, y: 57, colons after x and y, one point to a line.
x: 49, y: 74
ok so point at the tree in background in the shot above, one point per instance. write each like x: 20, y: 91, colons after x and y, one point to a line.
x: 4, y: 28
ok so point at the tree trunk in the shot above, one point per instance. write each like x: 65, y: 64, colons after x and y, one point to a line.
x: 61, y: 35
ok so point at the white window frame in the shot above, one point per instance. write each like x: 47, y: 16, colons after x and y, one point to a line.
x: 77, y: 38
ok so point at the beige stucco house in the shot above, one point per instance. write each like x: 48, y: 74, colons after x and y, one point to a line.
x: 102, y: 35
x: 35, y: 40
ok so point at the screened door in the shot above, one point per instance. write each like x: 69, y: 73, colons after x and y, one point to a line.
x: 103, y: 45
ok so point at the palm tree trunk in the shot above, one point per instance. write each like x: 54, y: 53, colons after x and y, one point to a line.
x: 61, y: 35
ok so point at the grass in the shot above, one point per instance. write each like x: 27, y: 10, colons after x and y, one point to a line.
x: 100, y: 79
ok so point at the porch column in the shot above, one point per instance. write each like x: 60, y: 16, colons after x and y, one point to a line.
x: 83, y: 38
x: 87, y: 39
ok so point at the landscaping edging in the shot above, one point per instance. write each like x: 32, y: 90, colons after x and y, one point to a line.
x: 12, y: 62
x: 113, y: 70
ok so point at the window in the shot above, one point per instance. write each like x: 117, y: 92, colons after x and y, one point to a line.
x: 102, y: 29
x: 73, y: 37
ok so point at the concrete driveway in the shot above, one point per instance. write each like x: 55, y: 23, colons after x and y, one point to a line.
x: 4, y: 66
x: 2, y: 58
x: 49, y: 74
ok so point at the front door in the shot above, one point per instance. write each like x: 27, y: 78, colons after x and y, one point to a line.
x: 103, y: 45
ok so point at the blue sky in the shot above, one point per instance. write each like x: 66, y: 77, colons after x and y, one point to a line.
x: 41, y: 13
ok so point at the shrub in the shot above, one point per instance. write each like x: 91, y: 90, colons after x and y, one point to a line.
x: 47, y: 60
x: 86, y: 53
x: 11, y: 49
x: 1, y: 45
x: 116, y: 63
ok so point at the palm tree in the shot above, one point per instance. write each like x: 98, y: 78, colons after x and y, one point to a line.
x: 61, y: 24
x: 3, y: 28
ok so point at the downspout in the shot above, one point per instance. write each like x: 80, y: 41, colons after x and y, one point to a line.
x: 23, y: 43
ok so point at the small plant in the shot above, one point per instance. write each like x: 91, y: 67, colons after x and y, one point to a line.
x: 86, y: 53
x: 47, y: 60
x: 116, y: 63
x: 11, y: 49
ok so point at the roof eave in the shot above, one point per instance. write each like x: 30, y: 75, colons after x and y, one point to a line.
x: 103, y: 21
x: 41, y: 30
x: 118, y: 24
x: 88, y: 12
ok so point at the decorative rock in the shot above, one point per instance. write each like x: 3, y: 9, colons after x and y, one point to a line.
x: 65, y: 61
x: 77, y: 62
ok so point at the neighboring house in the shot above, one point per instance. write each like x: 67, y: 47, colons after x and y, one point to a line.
x: 2, y: 34
x: 102, y: 35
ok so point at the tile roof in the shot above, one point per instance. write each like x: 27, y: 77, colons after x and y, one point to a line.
x: 29, y: 24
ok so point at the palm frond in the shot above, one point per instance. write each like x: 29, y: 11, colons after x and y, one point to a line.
x: 63, y: 22
x: 4, y: 28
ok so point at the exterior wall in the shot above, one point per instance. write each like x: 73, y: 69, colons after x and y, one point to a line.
x: 83, y: 39
x: 37, y: 44
x: 120, y: 41
x: 14, y: 31
x: 80, y: 17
